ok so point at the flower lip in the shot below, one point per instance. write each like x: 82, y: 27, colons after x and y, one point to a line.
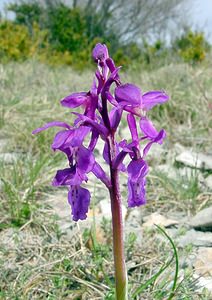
x: 137, y: 170
x: 79, y: 199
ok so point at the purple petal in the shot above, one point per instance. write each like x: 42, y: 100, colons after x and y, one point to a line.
x: 128, y: 148
x: 111, y: 99
x: 79, y: 136
x: 158, y: 139
x: 118, y: 161
x: 153, y: 98
x: 100, y: 52
x: 100, y: 81
x: 85, y: 160
x: 79, y: 199
x: 74, y: 100
x: 128, y: 94
x: 100, y: 174
x: 147, y: 148
x: 136, y: 169
x: 136, y: 192
x: 62, y: 139
x: 51, y: 124
x: 148, y: 128
x: 132, y: 126
x: 93, y: 89
x: 91, y: 106
x: 94, y: 139
x: 105, y: 94
x: 106, y: 153
x: 115, y: 117
x: 102, y: 130
x: 111, y: 65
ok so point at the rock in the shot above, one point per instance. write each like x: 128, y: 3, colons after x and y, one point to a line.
x: 203, y: 263
x: 1, y: 185
x: 178, y: 148
x: 208, y: 182
x: 133, y: 225
x: 8, y: 158
x: 168, y: 170
x: 59, y: 204
x: 195, y: 160
x: 157, y: 219
x: 185, y: 172
x: 203, y: 283
x: 3, y: 144
x: 203, y: 219
x: 196, y: 238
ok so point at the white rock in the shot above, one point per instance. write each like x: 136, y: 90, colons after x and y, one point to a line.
x: 1, y: 185
x: 178, y: 148
x: 208, y: 182
x: 157, y: 219
x: 203, y: 262
x: 202, y: 219
x: 168, y: 170
x: 8, y: 158
x: 196, y: 238
x: 60, y: 206
x: 195, y: 160
x: 3, y: 144
x: 133, y: 225
x: 203, y: 282
x: 185, y: 172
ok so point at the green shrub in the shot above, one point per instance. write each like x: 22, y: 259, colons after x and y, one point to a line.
x: 191, y: 46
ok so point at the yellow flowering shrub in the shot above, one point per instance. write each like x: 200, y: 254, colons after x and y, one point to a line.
x: 192, y: 46
x: 15, y: 41
x: 17, y: 44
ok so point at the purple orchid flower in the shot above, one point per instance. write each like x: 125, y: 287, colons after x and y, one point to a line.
x: 130, y: 97
x: 137, y: 170
x: 87, y: 100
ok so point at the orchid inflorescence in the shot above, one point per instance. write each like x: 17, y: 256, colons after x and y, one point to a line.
x: 103, y: 111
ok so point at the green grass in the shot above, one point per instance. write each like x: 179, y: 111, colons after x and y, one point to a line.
x: 37, y: 261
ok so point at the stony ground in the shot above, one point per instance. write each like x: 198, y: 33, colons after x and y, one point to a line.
x: 45, y: 255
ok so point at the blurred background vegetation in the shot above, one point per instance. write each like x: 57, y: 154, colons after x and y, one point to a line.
x: 57, y: 33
